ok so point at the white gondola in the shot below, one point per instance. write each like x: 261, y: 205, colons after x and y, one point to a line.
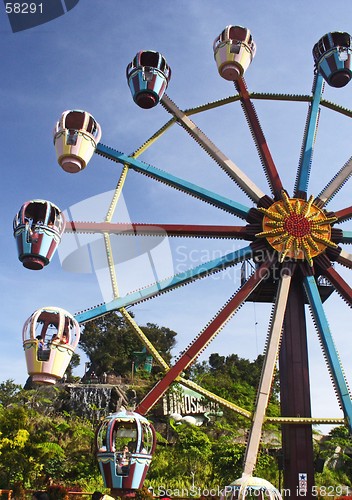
x: 250, y: 487
x: 234, y: 50
x: 76, y: 136
x: 50, y: 336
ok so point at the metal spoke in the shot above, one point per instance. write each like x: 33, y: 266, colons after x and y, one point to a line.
x: 301, y: 185
x: 340, y: 284
x: 138, y: 229
x: 335, y: 184
x: 259, y: 139
x: 344, y: 214
x: 346, y: 237
x: 176, y: 182
x: 345, y: 259
x: 248, y: 186
x: 167, y: 284
x: 330, y: 352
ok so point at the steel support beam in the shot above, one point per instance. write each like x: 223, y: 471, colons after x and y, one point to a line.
x: 297, y: 440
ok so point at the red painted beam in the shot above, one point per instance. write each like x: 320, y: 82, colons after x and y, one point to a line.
x: 344, y: 262
x: 339, y: 283
x: 344, y: 214
x: 258, y: 135
x: 203, y: 339
x: 237, y: 232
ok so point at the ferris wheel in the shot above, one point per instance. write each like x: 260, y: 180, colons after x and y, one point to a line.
x: 290, y: 237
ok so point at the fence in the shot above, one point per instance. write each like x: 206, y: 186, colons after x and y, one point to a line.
x: 6, y: 494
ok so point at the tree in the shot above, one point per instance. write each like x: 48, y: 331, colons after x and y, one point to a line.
x: 176, y: 465
x: 110, y: 342
x: 75, y: 361
x: 227, y: 460
x: 235, y: 379
x: 9, y: 392
x: 37, y: 444
x: 194, y: 446
x: 336, y: 452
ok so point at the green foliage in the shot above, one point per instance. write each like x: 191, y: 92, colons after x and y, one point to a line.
x: 333, y: 478
x: 193, y: 446
x: 340, y: 436
x: 74, y: 363
x: 143, y: 494
x: 235, y: 379
x: 9, y: 392
x: 266, y: 467
x: 336, y: 452
x: 38, y: 444
x: 110, y: 342
x: 57, y: 492
x: 228, y: 460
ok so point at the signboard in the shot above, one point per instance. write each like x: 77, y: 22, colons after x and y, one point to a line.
x: 184, y: 401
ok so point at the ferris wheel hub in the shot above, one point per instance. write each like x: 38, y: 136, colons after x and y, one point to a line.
x: 296, y: 228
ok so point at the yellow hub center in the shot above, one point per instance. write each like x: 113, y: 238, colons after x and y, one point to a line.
x: 296, y: 228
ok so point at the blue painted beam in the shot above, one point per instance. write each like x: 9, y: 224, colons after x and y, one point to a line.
x: 309, y: 137
x: 330, y: 351
x: 346, y: 236
x: 185, y: 186
x: 165, y: 285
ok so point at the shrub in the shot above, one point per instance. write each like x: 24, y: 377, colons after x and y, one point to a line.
x: 57, y: 492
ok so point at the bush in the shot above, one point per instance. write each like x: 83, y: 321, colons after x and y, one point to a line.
x: 57, y: 492
x: 143, y: 494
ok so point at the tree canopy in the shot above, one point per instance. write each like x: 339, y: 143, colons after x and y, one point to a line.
x: 235, y: 379
x: 110, y: 343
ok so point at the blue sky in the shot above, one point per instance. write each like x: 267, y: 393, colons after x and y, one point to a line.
x: 78, y: 61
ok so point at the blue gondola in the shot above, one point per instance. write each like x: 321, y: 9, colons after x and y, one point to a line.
x: 37, y: 228
x: 332, y: 57
x: 125, y: 443
x: 148, y: 76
